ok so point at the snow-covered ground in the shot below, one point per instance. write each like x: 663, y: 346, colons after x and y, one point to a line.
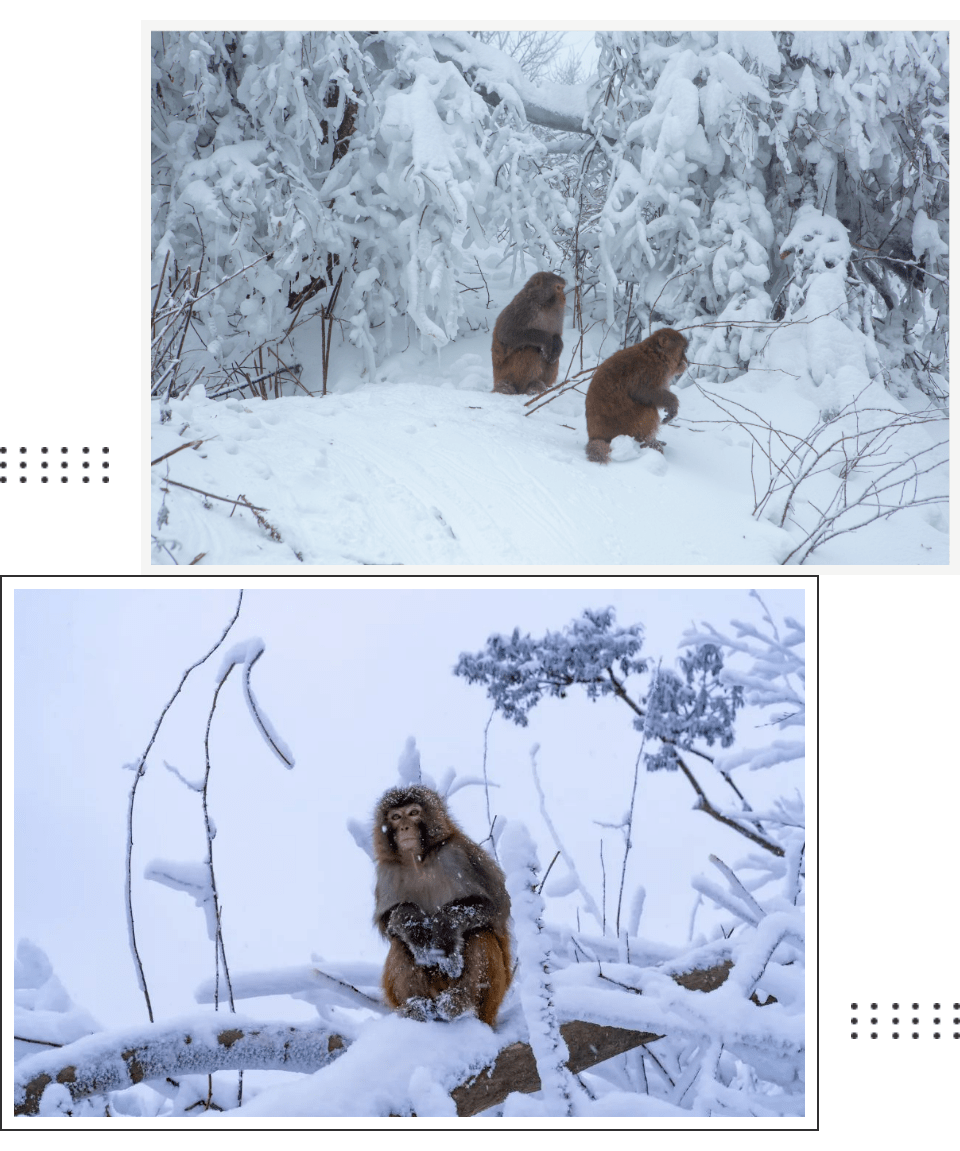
x: 426, y: 465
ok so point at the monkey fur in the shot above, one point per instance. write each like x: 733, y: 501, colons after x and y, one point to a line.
x: 442, y: 904
x: 627, y: 390
x: 526, y: 337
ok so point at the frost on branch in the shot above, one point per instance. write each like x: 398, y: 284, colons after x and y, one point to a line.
x: 766, y: 666
x: 698, y: 705
x: 534, y: 968
x: 519, y: 670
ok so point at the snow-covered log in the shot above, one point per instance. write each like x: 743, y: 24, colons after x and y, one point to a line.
x: 114, y: 1060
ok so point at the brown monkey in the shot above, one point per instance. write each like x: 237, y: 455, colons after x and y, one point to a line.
x: 526, y: 337
x: 628, y: 388
x: 442, y: 903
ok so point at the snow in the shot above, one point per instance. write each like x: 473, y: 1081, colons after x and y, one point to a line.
x: 424, y: 465
x: 926, y: 238
x: 416, y: 473
x: 192, y: 879
x: 396, y: 1066
x: 534, y: 985
x: 247, y: 653
x: 412, y: 474
x: 43, y: 1011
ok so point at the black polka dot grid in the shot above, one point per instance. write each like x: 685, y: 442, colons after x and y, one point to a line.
x: 54, y: 465
x: 905, y: 1020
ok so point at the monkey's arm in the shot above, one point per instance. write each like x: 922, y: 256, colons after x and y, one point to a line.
x: 671, y: 405
x: 641, y: 392
x: 550, y: 345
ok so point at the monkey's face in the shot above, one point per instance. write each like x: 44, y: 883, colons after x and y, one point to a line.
x: 405, y: 827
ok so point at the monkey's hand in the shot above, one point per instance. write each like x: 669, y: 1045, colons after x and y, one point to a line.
x: 548, y: 345
x: 446, y: 945
x: 464, y: 915
x: 448, y: 927
x: 432, y: 940
x: 671, y: 405
x: 410, y: 925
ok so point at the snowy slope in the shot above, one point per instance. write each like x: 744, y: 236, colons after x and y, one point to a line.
x: 428, y: 466
x: 412, y: 473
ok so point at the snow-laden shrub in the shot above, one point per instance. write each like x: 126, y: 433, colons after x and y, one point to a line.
x: 715, y: 141
x: 310, y: 156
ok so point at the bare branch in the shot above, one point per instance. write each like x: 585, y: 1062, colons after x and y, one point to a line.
x: 140, y: 766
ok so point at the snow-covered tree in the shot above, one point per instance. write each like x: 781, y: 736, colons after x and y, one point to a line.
x: 384, y: 158
x: 679, y: 713
x: 716, y: 141
x: 355, y: 169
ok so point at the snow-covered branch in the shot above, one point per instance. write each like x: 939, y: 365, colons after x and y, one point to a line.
x: 113, y: 1060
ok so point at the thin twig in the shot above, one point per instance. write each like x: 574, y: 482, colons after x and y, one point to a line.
x: 268, y: 527
x: 703, y: 804
x: 242, y: 502
x: 219, y: 950
x: 140, y: 767
x: 547, y: 872
x: 629, y: 830
x: 166, y: 455
x: 685, y: 272
x: 153, y: 314
x: 255, y: 711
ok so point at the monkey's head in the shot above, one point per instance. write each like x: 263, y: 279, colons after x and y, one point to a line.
x: 409, y: 822
x: 673, y: 345
x: 547, y: 287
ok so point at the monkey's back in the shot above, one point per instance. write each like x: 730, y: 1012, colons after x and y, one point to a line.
x: 611, y: 410
x: 536, y: 310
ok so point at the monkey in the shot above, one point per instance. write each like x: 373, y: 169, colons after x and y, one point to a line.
x: 629, y: 387
x: 442, y: 904
x: 526, y: 337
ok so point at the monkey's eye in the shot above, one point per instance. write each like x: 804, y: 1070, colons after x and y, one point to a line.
x: 414, y: 812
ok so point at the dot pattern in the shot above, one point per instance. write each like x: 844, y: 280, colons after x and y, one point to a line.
x: 905, y: 1021
x: 48, y: 465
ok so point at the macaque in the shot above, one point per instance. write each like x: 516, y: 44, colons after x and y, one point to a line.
x: 627, y: 390
x: 526, y: 337
x: 442, y: 904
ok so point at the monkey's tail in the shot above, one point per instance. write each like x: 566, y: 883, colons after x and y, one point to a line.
x: 598, y: 451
